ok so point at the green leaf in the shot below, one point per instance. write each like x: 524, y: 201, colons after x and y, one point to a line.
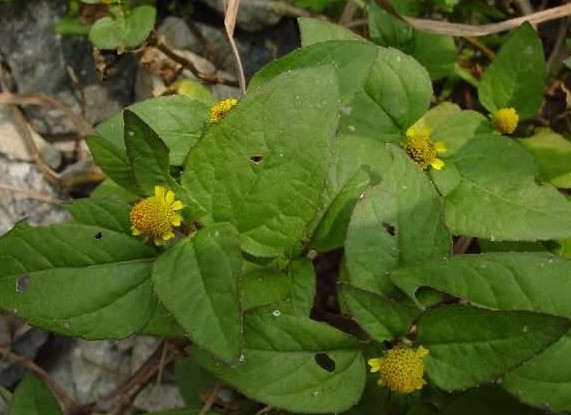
x: 358, y: 161
x: 72, y: 26
x: 552, y: 153
x: 261, y: 286
x: 353, y: 61
x: 148, y: 154
x: 163, y: 324
x: 497, y: 196
x: 192, y: 380
x: 457, y: 129
x: 489, y: 400
x: 178, y: 120
x: 77, y: 280
x: 262, y: 168
x: 400, y: 87
x: 106, y: 213
x: 113, y: 161
x: 316, y: 5
x: 516, y: 77
x: 544, y: 380
x: 303, y: 287
x: 507, y: 281
x: 123, y: 32
x: 469, y: 346
x: 383, y: 91
x: 382, y: 318
x: 197, y: 281
x: 397, y: 222
x: 284, y: 372
x: 315, y: 31
x: 33, y: 397
x: 436, y: 53
x: 108, y: 189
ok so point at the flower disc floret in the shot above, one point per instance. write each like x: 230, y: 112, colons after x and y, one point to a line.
x: 218, y: 110
x: 422, y: 149
x: 156, y: 217
x: 505, y: 120
x: 401, y: 368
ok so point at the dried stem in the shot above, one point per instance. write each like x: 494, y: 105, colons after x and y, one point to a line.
x: 230, y: 17
x: 69, y: 405
x: 157, y: 42
x: 31, y: 194
x: 211, y: 399
x: 126, y: 393
x: 458, y: 29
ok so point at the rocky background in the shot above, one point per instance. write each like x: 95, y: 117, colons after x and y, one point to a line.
x: 42, y: 163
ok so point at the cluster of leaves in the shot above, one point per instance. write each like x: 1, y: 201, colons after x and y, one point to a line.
x: 110, y: 24
x: 309, y: 162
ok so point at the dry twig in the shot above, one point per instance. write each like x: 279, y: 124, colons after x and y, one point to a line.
x: 459, y: 29
x: 230, y: 17
x: 70, y: 406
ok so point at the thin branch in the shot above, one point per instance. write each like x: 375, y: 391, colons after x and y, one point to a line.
x: 458, y: 29
x: 126, y: 393
x: 158, y: 42
x: 211, y: 399
x: 83, y: 126
x: 264, y: 410
x: 70, y: 406
x: 31, y: 194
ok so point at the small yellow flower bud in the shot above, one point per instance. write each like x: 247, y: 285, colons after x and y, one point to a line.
x: 401, y: 368
x: 505, y: 120
x: 156, y: 216
x: 218, y: 110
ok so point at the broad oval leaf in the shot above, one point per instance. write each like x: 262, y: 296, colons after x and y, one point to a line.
x: 545, y: 380
x: 398, y: 222
x: 469, y: 346
x: 497, y: 196
x: 506, y: 281
x: 516, y: 77
x: 262, y: 167
x: 197, y: 281
x: 279, y: 365
x: 77, y: 280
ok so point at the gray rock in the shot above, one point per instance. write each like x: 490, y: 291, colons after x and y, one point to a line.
x: 37, y: 58
x: 254, y: 15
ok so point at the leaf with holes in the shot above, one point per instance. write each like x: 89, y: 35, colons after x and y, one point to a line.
x: 469, y: 346
x: 398, y: 222
x: 262, y: 167
x: 306, y: 366
x: 197, y: 281
x: 77, y: 280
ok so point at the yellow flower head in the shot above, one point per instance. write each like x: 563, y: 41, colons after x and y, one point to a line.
x: 422, y: 149
x: 505, y: 120
x: 401, y: 368
x: 156, y: 216
x: 218, y: 110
